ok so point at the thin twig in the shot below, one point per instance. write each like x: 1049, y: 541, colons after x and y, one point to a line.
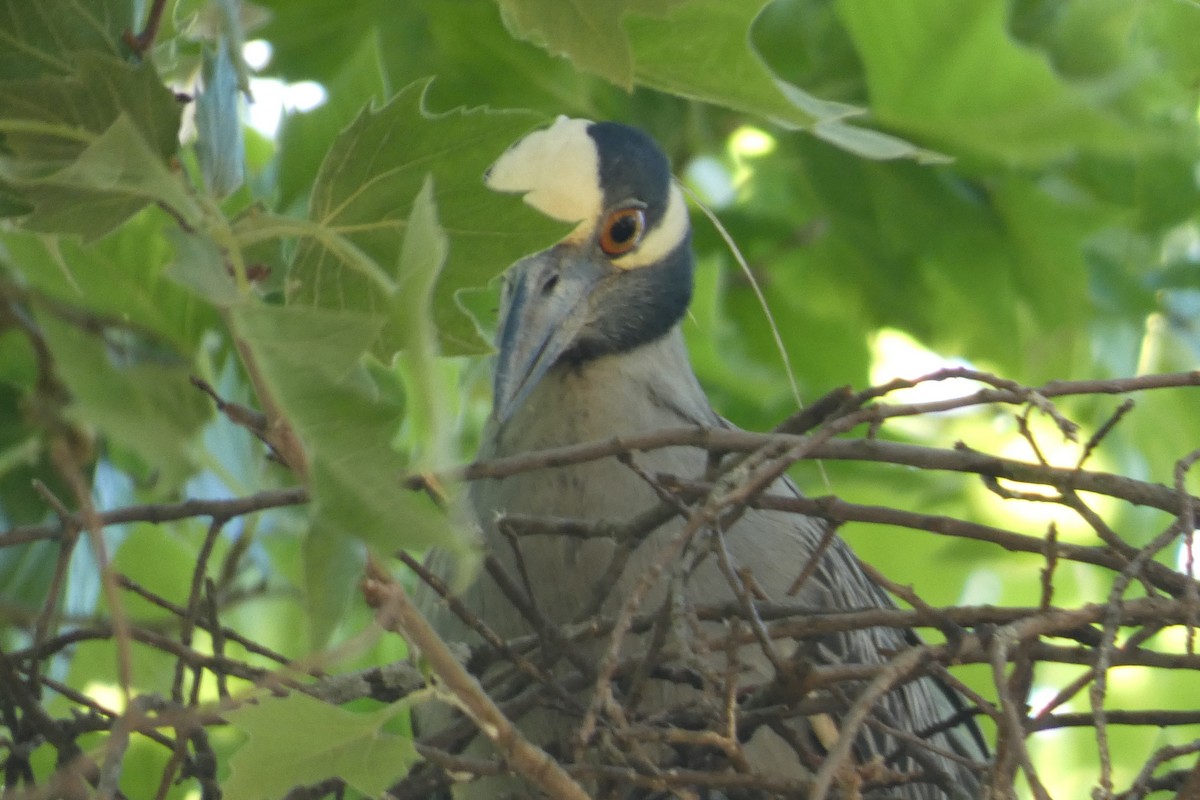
x: 397, y: 613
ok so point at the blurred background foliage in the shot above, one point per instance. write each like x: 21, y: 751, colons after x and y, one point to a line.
x: 913, y: 184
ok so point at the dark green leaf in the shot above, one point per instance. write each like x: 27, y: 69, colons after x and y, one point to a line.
x: 54, y: 118
x: 45, y: 37
x: 113, y: 178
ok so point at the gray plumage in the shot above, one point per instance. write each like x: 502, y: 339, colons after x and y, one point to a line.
x: 623, y: 369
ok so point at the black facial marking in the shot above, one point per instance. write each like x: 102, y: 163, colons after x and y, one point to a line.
x: 641, y: 305
x: 632, y: 167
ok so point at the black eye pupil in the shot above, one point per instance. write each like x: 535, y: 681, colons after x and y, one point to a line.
x: 623, y: 229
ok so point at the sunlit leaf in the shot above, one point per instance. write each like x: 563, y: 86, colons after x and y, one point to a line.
x: 297, y: 740
x: 953, y: 75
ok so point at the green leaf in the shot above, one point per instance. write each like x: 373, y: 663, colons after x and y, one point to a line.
x: 636, y: 43
x: 313, y: 39
x: 421, y: 259
x: 112, y: 179
x: 45, y: 37
x: 55, y: 117
x: 590, y: 34
x: 716, y: 63
x: 310, y: 359
x: 477, y: 61
x: 143, y: 405
x: 200, y: 268
x: 333, y: 569
x: 162, y: 560
x: 952, y: 74
x: 363, y: 196
x: 83, y: 151
x: 297, y: 740
x: 304, y: 138
x: 118, y: 279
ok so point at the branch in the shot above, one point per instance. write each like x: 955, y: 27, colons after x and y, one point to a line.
x: 159, y: 513
x: 1137, y: 492
x: 397, y: 613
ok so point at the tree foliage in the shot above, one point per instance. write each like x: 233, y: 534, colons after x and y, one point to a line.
x: 221, y: 349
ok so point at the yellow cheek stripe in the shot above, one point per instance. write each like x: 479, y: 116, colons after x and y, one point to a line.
x: 665, y: 236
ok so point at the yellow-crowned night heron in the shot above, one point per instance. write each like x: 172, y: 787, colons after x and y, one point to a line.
x: 590, y: 347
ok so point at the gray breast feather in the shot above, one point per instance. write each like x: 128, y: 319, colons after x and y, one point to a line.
x: 647, y: 391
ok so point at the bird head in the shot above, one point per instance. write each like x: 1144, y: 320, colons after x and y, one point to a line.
x: 622, y: 277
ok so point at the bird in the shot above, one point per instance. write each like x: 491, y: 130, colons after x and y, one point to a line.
x: 589, y: 347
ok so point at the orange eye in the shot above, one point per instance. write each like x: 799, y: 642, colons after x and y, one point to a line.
x: 622, y: 230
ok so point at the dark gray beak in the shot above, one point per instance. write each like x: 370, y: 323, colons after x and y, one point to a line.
x: 544, y: 308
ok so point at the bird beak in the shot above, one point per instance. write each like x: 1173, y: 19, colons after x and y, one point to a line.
x: 544, y: 308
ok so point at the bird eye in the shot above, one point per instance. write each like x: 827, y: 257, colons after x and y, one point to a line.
x: 622, y: 230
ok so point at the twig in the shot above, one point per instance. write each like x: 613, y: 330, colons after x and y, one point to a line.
x: 238, y: 414
x: 192, y: 609
x: 397, y: 613
x: 139, y: 43
x: 901, y: 668
x: 1103, y: 431
x: 1133, y: 491
x: 161, y: 512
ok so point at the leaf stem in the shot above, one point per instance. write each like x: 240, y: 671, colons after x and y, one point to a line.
x: 277, y: 227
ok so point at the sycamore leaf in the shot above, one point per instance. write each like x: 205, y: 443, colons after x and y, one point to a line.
x: 421, y: 259
x: 83, y: 151
x: 305, y: 138
x: 715, y: 62
x: 120, y: 277
x: 44, y: 37
x: 590, y: 34
x: 363, y: 196
x: 310, y: 360
x: 297, y: 740
x: 113, y: 178
x: 951, y: 72
x: 56, y: 116
x: 143, y: 405
x: 333, y: 569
